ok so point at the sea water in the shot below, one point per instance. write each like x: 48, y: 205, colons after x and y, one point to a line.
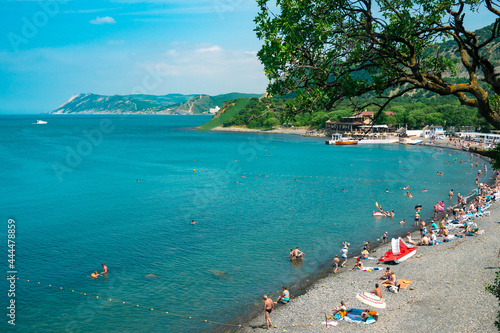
x: 123, y: 190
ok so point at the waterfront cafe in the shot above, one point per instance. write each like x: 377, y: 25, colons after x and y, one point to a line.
x: 360, y: 124
x: 489, y: 138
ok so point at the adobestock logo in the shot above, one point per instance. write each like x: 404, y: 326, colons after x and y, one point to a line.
x: 31, y: 26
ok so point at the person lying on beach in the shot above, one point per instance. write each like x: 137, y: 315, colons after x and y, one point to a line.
x: 377, y: 291
x: 367, y: 314
x: 284, y: 297
x: 342, y: 310
x: 336, y: 264
x: 297, y: 253
x: 386, y: 274
x: 357, y: 265
x: 409, y: 240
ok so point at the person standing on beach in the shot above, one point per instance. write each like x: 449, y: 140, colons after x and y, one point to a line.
x: 336, y: 261
x: 343, y: 253
x: 384, y: 238
x: 268, y: 308
x: 417, y: 218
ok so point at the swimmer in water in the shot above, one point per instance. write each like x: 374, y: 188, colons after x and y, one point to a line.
x: 94, y: 275
x: 193, y: 222
x: 104, y: 269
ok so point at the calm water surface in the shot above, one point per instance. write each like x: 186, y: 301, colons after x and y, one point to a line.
x: 86, y: 190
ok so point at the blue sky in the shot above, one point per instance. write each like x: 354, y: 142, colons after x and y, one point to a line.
x: 52, y: 49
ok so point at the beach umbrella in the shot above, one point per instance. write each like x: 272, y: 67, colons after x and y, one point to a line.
x: 371, y: 299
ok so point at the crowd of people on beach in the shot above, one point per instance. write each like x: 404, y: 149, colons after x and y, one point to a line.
x: 447, y: 223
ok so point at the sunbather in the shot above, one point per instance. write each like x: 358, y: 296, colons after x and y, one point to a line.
x: 342, y: 310
x: 386, y: 274
x: 357, y: 265
x: 391, y: 281
x: 409, y: 240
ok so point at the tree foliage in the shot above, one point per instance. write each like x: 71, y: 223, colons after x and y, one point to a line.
x: 329, y: 51
x: 495, y: 290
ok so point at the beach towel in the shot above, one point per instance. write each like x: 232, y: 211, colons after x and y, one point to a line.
x: 369, y: 269
x: 354, y: 316
x: 369, y: 258
x: 330, y: 323
x: 404, y: 283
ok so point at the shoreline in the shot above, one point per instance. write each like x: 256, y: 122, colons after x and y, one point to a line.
x: 308, y: 288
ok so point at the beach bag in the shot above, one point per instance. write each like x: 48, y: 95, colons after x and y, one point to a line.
x: 393, y: 289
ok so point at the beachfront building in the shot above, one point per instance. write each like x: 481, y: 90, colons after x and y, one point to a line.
x: 433, y: 132
x: 359, y: 124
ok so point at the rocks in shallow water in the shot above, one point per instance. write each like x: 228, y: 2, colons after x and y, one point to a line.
x: 151, y: 276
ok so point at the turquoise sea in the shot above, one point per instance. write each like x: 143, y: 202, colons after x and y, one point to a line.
x: 122, y: 190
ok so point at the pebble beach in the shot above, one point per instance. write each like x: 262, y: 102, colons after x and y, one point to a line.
x: 447, y: 293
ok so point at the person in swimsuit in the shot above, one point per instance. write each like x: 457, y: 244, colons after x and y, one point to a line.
x: 409, y: 240
x: 336, y: 264
x: 342, y: 310
x: 357, y: 265
x: 391, y: 281
x: 268, y: 308
x: 386, y: 274
x: 285, y: 296
x: 297, y: 253
x: 94, y: 275
x: 104, y: 269
x: 377, y: 291
x: 384, y: 238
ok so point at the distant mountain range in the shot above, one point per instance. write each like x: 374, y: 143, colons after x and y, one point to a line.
x: 145, y: 104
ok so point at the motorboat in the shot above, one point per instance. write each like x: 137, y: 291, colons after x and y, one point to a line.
x: 339, y: 140
x: 39, y: 122
x: 410, y: 141
x: 399, y: 253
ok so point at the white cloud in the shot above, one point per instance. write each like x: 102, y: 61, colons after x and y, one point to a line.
x: 214, y: 48
x: 103, y: 20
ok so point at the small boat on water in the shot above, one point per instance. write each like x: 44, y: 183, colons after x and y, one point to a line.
x: 339, y: 140
x: 38, y: 122
x: 400, y: 252
x: 409, y: 141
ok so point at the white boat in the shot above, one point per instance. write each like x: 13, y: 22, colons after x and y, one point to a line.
x: 38, y: 122
x: 338, y: 139
x: 377, y: 141
x: 409, y: 141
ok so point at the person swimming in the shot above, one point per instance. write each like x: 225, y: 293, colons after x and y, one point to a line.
x: 94, y: 275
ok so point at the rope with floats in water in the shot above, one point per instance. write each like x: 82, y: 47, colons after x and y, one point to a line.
x: 149, y: 308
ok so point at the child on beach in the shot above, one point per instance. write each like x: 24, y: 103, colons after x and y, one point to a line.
x: 384, y: 238
x: 336, y: 263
